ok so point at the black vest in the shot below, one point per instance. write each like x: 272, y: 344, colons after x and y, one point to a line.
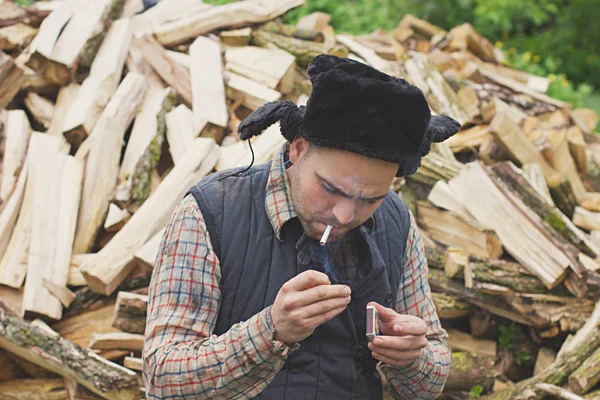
x: 334, y: 362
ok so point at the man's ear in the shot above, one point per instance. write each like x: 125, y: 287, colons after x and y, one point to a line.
x: 298, y: 149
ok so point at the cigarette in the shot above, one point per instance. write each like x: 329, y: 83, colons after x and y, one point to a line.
x: 325, y: 235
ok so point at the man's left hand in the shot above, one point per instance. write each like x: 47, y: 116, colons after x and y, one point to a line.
x: 402, y: 337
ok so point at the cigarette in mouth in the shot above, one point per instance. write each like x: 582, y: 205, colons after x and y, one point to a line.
x: 325, y: 235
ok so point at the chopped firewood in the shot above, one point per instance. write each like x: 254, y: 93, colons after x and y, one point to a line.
x: 180, y: 131
x: 557, y: 391
x: 497, y: 106
x: 79, y: 328
x: 144, y: 149
x: 111, y: 265
x: 469, y: 138
x: 273, y: 68
x: 102, y: 166
x: 21, y: 338
x: 447, y: 306
x: 470, y: 102
x: 165, y: 12
x: 585, y: 219
x: 176, y: 75
x: 584, y: 378
x: 316, y: 21
x: 181, y: 58
x: 208, y: 89
x: 12, y: 79
x: 234, y: 14
x: 422, y: 27
x: 17, y: 132
x: 534, y: 175
x: 441, y: 196
x: 32, y: 389
x: 117, y: 341
x: 16, y: 37
x: 505, y: 275
x: 533, y: 81
x: 453, y: 230
x: 456, y: 261
x: 492, y: 208
x: 585, y: 118
x: 75, y: 276
x: 11, y: 13
x: 513, y: 141
x: 57, y: 186
x: 545, y: 358
x: 133, y: 363
x: 130, y: 312
x: 237, y: 37
x: 470, y: 369
x: 577, y: 146
x: 460, y: 341
x: 364, y: 52
x: 146, y: 255
x: 12, y: 299
x: 465, y: 37
x: 250, y: 93
x: 115, y: 218
x: 552, y: 120
x: 62, y: 293
x: 41, y: 109
x: 13, y: 265
x: 65, y: 98
x: 100, y: 85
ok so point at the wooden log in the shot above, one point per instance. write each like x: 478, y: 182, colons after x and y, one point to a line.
x: 62, y: 293
x: 40, y: 108
x: 595, y: 395
x: 79, y: 328
x: 316, y: 21
x: 235, y: 14
x: 273, y: 68
x: 11, y: 13
x: 180, y: 131
x: 506, y: 274
x: 497, y: 106
x: 111, y: 265
x: 102, y: 166
x: 115, y: 218
x: 16, y: 37
x: 585, y: 219
x: 584, y: 378
x: 303, y: 50
x: 13, y: 265
x: 521, y: 150
x: 65, y: 98
x: 420, y: 26
x: 144, y: 149
x: 208, y: 89
x: 117, y: 341
x: 456, y: 261
x: 500, y: 213
x: 34, y: 389
x: 469, y: 370
x: 136, y: 62
x: 452, y: 230
x: 469, y: 138
x: 461, y: 341
x: 586, y: 119
x: 442, y: 197
x: 17, y: 132
x: 165, y: 12
x: 236, y: 37
x: 75, y: 276
x: 544, y: 359
x: 578, y: 147
x: 130, y: 312
x: 251, y: 94
x: 449, y: 307
x: 65, y: 358
x: 174, y: 74
x: 557, y: 391
x: 12, y: 79
x: 133, y: 363
x: 100, y: 85
x: 534, y: 175
x: 146, y: 255
x: 58, y: 179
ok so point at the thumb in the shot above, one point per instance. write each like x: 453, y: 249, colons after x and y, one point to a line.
x: 385, y: 314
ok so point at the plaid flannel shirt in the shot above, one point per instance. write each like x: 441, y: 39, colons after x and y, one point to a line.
x: 182, y: 358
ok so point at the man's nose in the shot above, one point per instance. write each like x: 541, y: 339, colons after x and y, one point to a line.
x: 344, y: 211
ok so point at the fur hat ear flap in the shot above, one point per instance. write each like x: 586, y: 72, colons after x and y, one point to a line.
x: 267, y: 115
x: 441, y: 127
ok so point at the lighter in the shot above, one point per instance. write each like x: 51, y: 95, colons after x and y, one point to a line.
x: 372, y: 323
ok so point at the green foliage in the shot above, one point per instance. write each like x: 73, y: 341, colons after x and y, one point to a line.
x: 25, y: 3
x: 508, y: 335
x: 522, y: 356
x: 475, y: 391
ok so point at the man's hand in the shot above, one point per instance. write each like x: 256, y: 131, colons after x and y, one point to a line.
x: 305, y: 302
x: 402, y: 337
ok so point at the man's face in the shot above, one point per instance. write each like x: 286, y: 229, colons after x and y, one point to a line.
x: 335, y: 187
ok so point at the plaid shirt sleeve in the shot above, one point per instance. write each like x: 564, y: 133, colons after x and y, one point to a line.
x: 425, y: 377
x: 182, y: 358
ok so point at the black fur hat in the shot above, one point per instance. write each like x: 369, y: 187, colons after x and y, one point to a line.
x: 357, y: 108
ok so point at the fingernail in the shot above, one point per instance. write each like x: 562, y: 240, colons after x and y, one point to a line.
x: 398, y: 328
x: 378, y: 341
x: 348, y: 298
x: 347, y: 290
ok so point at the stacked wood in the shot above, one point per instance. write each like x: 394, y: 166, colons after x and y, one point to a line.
x: 109, y: 114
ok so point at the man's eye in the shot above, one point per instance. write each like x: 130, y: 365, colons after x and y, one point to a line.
x: 329, y: 190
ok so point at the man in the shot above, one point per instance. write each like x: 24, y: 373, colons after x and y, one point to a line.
x: 244, y: 302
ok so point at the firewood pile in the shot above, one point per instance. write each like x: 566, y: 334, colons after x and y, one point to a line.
x: 110, y: 112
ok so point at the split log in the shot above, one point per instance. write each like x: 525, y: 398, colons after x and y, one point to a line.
x: 497, y: 106
x: 166, y: 12
x: 448, y: 307
x: 557, y: 391
x: 112, y: 264
x: 586, y: 119
x: 442, y: 197
x: 57, y: 178
x: 65, y: 98
x: 40, y: 108
x: 419, y: 26
x: 34, y: 389
x: 208, y: 89
x: 435, y: 167
x: 180, y: 131
x: 144, y: 149
x: 534, y: 175
x: 584, y: 378
x: 117, y: 341
x: 174, y: 74
x: 11, y: 13
x: 469, y: 138
x: 316, y: 21
x: 100, y: 85
x: 136, y: 62
x: 469, y: 370
x: 514, y: 142
x: 130, y: 312
x: 146, y: 255
x: 293, y: 31
x: 456, y: 261
x: 273, y: 68
x: 452, y: 230
x: 234, y: 14
x: 460, y: 341
x: 578, y: 148
x: 13, y: 265
x: 12, y: 79
x: 133, y: 363
x: 251, y: 94
x: 236, y: 37
x: 544, y: 359
x: 17, y: 132
x: 79, y: 328
x: 585, y: 219
x: 471, y: 104
x: 115, y: 218
x: 65, y: 358
x: 365, y: 53
x: 102, y: 166
x: 16, y: 37
x: 503, y: 274
x: 465, y: 37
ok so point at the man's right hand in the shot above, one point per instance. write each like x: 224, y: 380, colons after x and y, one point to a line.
x: 305, y: 302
